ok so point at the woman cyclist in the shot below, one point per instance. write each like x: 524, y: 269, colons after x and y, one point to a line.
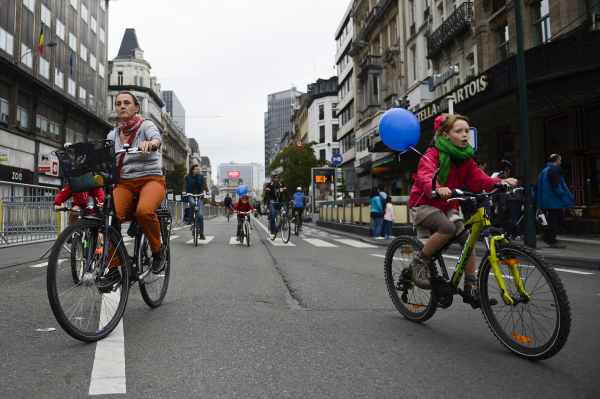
x: 141, y: 187
x: 452, y: 156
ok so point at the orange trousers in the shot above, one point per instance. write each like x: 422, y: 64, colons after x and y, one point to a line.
x: 149, y: 191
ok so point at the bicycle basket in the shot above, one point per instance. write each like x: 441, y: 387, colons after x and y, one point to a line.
x: 88, y: 165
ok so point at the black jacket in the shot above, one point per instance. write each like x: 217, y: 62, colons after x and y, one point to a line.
x: 195, y: 184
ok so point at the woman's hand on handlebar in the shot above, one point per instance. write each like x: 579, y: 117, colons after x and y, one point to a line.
x: 511, y: 181
x: 149, y: 146
x: 443, y: 192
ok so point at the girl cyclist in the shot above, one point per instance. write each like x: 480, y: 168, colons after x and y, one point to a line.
x: 452, y: 155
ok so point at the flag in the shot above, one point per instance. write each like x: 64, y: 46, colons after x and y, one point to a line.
x: 41, y: 42
x: 71, y: 63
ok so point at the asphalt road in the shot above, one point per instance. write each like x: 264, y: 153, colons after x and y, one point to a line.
x: 308, y: 320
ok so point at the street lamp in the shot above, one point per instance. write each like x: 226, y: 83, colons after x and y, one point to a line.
x: 49, y: 45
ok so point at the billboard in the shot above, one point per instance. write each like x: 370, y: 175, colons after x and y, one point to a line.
x: 234, y: 174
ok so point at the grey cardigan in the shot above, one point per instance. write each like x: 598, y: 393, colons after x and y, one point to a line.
x: 139, y: 165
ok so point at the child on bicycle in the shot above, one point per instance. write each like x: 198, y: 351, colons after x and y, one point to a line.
x: 242, y: 207
x: 79, y: 201
x: 451, y: 156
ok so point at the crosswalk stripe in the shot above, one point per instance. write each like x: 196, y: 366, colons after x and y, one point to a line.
x: 202, y: 242
x: 319, y: 243
x: 174, y: 237
x: 354, y: 243
x: 234, y: 241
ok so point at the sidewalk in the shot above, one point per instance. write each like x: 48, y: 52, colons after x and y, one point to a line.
x: 580, y: 252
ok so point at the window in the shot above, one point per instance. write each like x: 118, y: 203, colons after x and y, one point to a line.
x: 322, y: 155
x: 120, y: 78
x: 3, y: 110
x: 22, y: 118
x: 74, y: 4
x: 321, y: 134
x: 84, y: 13
x: 30, y: 5
x: 71, y: 87
x: 543, y: 22
x: 102, y: 5
x: 411, y: 12
x: 503, y: 42
x: 393, y: 31
x: 73, y: 42
x: 44, y: 68
x: 26, y: 56
x: 376, y: 88
x: 92, y: 61
x: 334, y: 110
x: 6, y: 41
x: 46, y: 16
x: 82, y: 93
x: 321, y: 112
x: 102, y: 35
x: 471, y: 68
x: 413, y: 63
x: 60, y: 30
x: 41, y: 123
x: 83, y: 52
x: 93, y: 24
x: 334, y: 133
x: 101, y: 69
x: 59, y: 78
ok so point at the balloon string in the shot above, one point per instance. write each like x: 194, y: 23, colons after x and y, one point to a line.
x: 412, y: 148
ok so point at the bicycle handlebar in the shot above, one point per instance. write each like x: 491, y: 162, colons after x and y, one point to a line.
x: 458, y: 195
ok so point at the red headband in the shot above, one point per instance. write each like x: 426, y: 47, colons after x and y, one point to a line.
x: 437, y: 122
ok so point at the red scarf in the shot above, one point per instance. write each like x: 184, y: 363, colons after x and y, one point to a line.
x: 131, y: 125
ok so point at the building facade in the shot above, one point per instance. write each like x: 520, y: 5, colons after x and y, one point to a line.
x: 346, y: 98
x: 195, y: 158
x: 174, y: 108
x: 53, y: 64
x: 206, y: 170
x: 278, y: 120
x: 175, y: 148
x: 323, y: 126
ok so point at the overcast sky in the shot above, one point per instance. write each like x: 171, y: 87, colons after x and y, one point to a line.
x: 222, y: 58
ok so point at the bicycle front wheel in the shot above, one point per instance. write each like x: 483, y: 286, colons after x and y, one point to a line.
x: 286, y: 230
x: 247, y: 232
x: 412, y: 302
x: 195, y: 232
x: 534, y: 328
x: 83, y: 309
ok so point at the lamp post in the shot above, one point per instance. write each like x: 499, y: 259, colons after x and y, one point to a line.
x: 530, y: 235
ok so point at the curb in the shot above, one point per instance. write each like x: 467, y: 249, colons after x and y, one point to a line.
x: 575, y: 262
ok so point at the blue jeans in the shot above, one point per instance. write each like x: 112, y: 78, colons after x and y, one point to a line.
x: 198, y: 207
x: 387, y: 228
x: 377, y: 225
x: 274, y: 208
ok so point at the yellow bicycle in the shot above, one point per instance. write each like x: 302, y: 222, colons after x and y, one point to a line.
x: 522, y: 298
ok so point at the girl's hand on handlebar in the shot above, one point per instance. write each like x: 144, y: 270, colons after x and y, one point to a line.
x: 511, y: 181
x: 444, y: 192
x: 149, y: 146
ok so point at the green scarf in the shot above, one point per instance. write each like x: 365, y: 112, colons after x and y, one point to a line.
x: 450, y: 153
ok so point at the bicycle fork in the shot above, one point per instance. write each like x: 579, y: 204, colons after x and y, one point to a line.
x: 512, y: 265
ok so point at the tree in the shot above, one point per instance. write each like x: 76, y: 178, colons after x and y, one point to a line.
x: 296, y: 162
x: 176, y: 178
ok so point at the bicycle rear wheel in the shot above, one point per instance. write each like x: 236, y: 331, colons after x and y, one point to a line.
x: 79, y: 248
x: 153, y: 287
x: 411, y: 301
x: 82, y: 309
x: 286, y: 230
x: 536, y: 328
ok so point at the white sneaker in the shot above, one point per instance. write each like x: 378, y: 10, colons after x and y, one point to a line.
x: 379, y: 238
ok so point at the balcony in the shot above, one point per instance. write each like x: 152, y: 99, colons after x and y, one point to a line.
x: 374, y: 17
x: 457, y: 23
x: 371, y: 62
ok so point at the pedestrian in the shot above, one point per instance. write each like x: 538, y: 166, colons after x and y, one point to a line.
x: 376, y: 214
x: 553, y: 197
x: 388, y: 219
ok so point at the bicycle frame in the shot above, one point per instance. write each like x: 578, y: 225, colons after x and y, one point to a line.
x: 477, y: 223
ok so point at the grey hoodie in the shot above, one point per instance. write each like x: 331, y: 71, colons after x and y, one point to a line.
x: 139, y: 165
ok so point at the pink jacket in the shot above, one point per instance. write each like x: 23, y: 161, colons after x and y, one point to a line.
x: 466, y: 176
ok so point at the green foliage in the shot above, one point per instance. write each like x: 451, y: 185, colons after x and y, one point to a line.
x: 176, y: 178
x: 296, y: 163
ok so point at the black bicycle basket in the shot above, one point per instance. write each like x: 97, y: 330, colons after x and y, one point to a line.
x: 88, y: 165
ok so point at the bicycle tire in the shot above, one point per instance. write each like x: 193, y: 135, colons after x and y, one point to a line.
x: 54, y: 263
x: 195, y: 232
x: 77, y: 268
x: 402, y: 303
x: 562, y: 310
x: 286, y: 230
x: 144, y: 260
x: 247, y: 232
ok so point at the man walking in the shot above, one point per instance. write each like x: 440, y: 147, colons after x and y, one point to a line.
x: 553, y: 197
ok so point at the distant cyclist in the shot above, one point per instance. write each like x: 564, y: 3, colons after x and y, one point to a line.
x: 243, y: 207
x: 196, y: 184
x: 228, y: 204
x: 299, y: 205
x: 275, y: 194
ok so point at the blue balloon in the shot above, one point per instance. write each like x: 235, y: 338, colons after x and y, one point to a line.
x: 399, y: 129
x: 242, y: 190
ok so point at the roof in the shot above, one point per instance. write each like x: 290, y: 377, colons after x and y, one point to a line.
x: 129, y: 44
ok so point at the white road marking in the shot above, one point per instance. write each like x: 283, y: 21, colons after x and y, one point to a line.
x: 174, y: 237
x: 202, y: 242
x: 178, y: 228
x: 48, y: 329
x: 278, y: 242
x: 354, y: 243
x: 234, y: 241
x: 578, y: 240
x: 39, y: 265
x: 574, y: 271
x: 108, y: 372
x: 319, y: 243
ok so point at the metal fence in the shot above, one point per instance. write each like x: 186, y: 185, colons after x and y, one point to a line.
x: 358, y: 211
x: 30, y: 219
